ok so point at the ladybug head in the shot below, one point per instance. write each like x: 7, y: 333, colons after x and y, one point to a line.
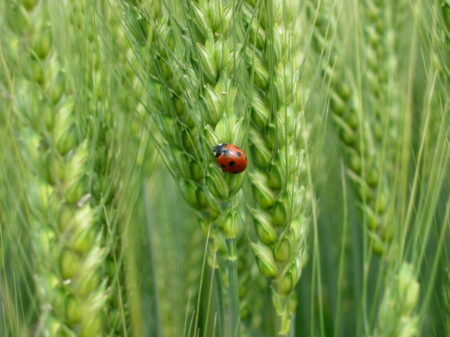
x: 219, y: 149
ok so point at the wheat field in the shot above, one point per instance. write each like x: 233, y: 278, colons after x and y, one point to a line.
x: 117, y: 218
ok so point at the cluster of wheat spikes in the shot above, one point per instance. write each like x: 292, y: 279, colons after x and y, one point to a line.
x: 116, y: 219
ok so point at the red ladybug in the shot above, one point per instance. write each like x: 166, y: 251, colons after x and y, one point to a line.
x: 230, y: 158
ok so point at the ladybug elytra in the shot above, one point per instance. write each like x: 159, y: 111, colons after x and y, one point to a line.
x: 230, y: 158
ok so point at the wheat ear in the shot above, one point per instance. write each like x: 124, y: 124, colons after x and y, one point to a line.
x: 277, y: 143
x: 193, y: 97
x: 361, y: 155
x: 67, y: 241
x: 396, y: 315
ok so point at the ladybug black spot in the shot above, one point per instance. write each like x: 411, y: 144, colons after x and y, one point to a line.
x: 222, y: 165
x: 239, y: 154
x: 231, y: 163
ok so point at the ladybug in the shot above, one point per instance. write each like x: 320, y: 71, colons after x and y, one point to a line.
x: 230, y: 158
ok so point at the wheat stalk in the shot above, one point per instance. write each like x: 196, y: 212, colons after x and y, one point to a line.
x: 439, y: 37
x: 446, y: 296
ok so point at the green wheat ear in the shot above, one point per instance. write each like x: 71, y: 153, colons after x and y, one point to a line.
x: 67, y: 241
x: 193, y: 97
x: 277, y: 142
x: 396, y: 315
x: 190, y: 64
x: 361, y: 130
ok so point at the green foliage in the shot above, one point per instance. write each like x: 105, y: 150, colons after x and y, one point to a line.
x: 115, y: 219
